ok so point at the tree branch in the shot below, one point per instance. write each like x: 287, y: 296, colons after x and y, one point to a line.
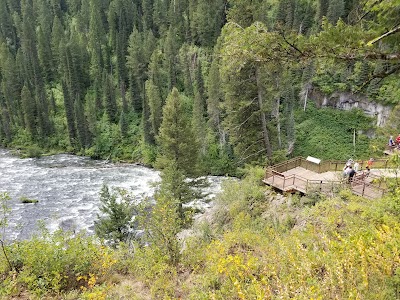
x: 380, y: 75
x: 290, y: 44
x: 390, y: 32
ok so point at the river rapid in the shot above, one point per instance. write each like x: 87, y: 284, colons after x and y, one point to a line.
x: 67, y: 188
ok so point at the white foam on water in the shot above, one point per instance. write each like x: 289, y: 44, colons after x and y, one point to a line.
x: 67, y: 188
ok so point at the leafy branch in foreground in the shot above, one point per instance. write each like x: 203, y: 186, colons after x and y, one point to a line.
x: 4, y: 211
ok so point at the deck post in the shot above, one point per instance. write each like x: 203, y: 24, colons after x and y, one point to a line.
x: 320, y: 186
x: 284, y: 181
x: 362, y: 194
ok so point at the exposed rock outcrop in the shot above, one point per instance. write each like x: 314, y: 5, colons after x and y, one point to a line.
x: 348, y: 101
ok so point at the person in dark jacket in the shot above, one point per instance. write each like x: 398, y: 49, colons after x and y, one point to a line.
x: 351, y: 173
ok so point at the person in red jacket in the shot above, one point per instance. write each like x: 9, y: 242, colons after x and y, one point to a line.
x: 369, y: 164
x: 398, y: 140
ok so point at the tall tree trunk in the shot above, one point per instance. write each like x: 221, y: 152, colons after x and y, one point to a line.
x: 278, y: 120
x: 260, y: 95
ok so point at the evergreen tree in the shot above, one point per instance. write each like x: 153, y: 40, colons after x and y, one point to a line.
x: 45, y: 20
x: 69, y: 113
x: 185, y: 64
x: 96, y: 39
x: 160, y: 15
x: 285, y: 14
x: 199, y: 122
x: 207, y: 19
x: 11, y: 87
x: 214, y: 102
x: 241, y: 12
x: 115, y: 223
x: 136, y: 66
x: 123, y: 124
x: 57, y: 34
x: 5, y: 122
x: 81, y: 124
x: 170, y: 58
x: 29, y: 108
x: 155, y: 105
x: 175, y: 137
x: 110, y: 102
x: 322, y: 9
x: 147, y: 18
x: 335, y: 10
x: 7, y: 29
x: 148, y: 135
x: 45, y: 54
x: 157, y: 72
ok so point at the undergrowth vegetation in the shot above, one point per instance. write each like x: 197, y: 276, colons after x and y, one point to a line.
x: 329, y: 134
x: 259, y: 245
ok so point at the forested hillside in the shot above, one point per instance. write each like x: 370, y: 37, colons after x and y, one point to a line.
x: 92, y: 77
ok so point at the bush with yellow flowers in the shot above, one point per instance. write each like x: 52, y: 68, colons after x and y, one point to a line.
x: 340, y: 248
x: 58, y: 262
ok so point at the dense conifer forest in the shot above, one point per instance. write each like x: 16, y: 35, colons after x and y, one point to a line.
x: 196, y: 87
x: 92, y: 77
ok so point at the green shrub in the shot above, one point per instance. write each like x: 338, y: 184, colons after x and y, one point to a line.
x: 59, y: 262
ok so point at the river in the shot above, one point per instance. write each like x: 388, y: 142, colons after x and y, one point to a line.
x: 67, y: 189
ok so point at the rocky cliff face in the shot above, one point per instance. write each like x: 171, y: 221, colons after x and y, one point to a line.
x: 348, y: 101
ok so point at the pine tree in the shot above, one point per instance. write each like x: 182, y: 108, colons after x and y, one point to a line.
x: 335, y: 10
x: 5, y: 122
x: 110, y: 103
x: 81, y: 124
x: 29, y: 108
x: 285, y: 14
x: 11, y: 87
x: 207, y: 19
x: 148, y: 136
x: 160, y: 12
x: 45, y: 19
x: 123, y: 124
x: 69, y: 113
x: 170, y: 58
x: 175, y: 137
x: 155, y: 105
x: 7, y: 29
x: 147, y: 18
x: 136, y: 66
x: 158, y: 73
x: 96, y: 39
x: 322, y: 9
x: 214, y: 101
x: 115, y: 223
x: 57, y: 33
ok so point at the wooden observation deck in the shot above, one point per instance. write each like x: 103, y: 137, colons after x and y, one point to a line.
x: 312, y: 175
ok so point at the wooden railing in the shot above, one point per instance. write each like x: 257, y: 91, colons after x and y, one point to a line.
x: 324, y: 166
x: 274, y: 175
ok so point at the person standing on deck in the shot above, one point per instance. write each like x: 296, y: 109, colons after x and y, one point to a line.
x: 398, y: 141
x: 351, y: 173
x: 391, y: 142
x: 356, y: 167
x: 369, y: 164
